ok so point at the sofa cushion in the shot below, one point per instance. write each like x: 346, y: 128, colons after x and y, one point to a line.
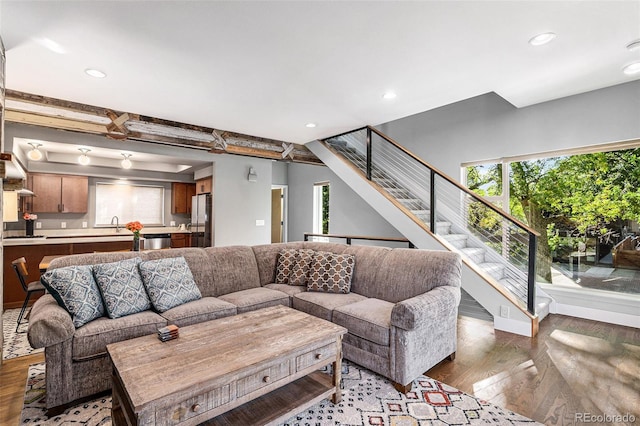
x: 168, y: 282
x: 256, y: 298
x: 287, y: 289
x: 75, y: 289
x: 322, y: 305
x: 369, y: 319
x: 197, y: 311
x: 405, y: 273
x: 300, y: 271
x: 91, y: 340
x: 233, y: 268
x: 121, y: 287
x: 331, y: 272
x: 198, y: 261
x: 286, y: 261
x: 368, y: 261
x: 267, y: 258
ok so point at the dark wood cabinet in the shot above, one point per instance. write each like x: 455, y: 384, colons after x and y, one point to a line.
x: 13, y: 294
x: 204, y: 186
x: 57, y: 194
x: 181, y: 194
x: 180, y: 240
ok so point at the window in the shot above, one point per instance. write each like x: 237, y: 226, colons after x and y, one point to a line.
x: 321, y: 208
x: 144, y: 203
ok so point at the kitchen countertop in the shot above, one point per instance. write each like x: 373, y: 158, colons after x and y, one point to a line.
x: 89, y: 235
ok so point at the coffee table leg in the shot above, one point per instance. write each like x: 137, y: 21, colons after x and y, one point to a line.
x: 337, y: 372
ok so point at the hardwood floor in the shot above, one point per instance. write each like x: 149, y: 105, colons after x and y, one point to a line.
x: 573, y: 366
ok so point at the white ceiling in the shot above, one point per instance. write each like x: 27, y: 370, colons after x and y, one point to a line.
x: 267, y: 68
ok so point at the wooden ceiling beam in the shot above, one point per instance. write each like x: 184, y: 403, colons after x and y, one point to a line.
x: 118, y: 125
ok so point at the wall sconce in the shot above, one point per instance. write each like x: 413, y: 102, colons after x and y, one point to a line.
x: 35, y: 154
x: 253, y: 176
x: 126, y: 163
x: 84, y: 158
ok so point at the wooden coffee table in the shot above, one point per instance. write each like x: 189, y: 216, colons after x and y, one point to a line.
x: 259, y: 367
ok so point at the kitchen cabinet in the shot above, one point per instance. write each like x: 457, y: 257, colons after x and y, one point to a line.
x: 58, y: 194
x: 179, y: 240
x: 204, y: 186
x: 181, y: 194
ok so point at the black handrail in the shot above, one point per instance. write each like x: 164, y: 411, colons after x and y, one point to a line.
x: 532, y: 233
x: 349, y: 238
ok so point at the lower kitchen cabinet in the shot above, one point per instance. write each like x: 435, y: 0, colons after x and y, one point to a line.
x: 180, y: 240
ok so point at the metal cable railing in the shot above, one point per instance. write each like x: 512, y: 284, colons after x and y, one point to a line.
x: 499, y: 244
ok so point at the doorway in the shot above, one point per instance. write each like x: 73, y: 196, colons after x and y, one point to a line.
x: 278, y: 214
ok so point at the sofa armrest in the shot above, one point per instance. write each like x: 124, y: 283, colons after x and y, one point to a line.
x: 49, y: 323
x: 429, y: 306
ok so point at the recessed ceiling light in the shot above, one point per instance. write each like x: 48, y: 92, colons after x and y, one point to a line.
x: 634, y: 45
x: 310, y: 125
x: 632, y: 68
x: 389, y: 95
x: 541, y: 39
x: 95, y: 73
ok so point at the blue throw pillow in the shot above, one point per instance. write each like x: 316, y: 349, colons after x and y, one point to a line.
x: 169, y: 282
x: 75, y: 289
x: 121, y: 287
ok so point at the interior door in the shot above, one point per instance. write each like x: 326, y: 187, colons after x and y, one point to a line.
x: 276, y: 215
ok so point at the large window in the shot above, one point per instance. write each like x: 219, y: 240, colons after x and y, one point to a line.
x: 321, y: 208
x: 586, y: 207
x: 144, y: 203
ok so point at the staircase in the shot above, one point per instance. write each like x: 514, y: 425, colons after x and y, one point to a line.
x: 495, y: 246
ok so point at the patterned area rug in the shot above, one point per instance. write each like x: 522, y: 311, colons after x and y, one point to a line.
x: 367, y: 399
x: 15, y: 344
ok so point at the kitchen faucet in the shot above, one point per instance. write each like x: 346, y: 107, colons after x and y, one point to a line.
x: 117, y: 223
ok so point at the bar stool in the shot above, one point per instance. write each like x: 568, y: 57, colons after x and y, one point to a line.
x: 20, y: 266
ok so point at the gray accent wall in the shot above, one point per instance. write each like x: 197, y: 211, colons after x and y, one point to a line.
x: 348, y: 212
x: 489, y: 127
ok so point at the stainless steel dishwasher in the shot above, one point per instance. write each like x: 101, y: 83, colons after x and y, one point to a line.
x: 157, y: 241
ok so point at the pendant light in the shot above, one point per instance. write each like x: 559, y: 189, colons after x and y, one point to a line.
x: 84, y: 158
x: 126, y: 163
x: 35, y: 154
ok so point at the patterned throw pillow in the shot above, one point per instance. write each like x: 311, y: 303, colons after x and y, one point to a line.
x: 300, y: 271
x: 121, y: 287
x: 74, y: 289
x: 331, y: 272
x: 286, y: 260
x: 169, y: 282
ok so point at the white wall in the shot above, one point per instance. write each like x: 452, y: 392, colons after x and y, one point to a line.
x: 488, y: 127
x: 348, y: 212
x: 238, y: 203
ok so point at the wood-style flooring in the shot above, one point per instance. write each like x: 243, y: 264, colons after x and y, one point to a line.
x: 573, y: 366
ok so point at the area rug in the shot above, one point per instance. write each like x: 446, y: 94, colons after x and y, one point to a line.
x: 367, y: 399
x: 15, y: 344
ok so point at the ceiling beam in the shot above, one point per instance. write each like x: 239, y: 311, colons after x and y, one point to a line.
x: 120, y: 126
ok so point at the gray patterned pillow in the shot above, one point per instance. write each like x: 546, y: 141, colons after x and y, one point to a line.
x: 74, y: 289
x: 169, y: 282
x: 121, y: 287
x: 286, y: 260
x: 331, y: 272
x: 300, y: 270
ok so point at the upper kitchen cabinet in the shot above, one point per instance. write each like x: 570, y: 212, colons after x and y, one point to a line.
x: 204, y: 186
x: 181, y: 194
x: 58, y: 194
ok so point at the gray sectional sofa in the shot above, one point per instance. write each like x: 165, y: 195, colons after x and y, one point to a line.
x: 401, y: 310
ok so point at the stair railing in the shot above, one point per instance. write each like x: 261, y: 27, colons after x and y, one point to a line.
x: 481, y: 231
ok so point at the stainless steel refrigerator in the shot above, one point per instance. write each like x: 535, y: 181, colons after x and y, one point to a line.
x: 201, y: 210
